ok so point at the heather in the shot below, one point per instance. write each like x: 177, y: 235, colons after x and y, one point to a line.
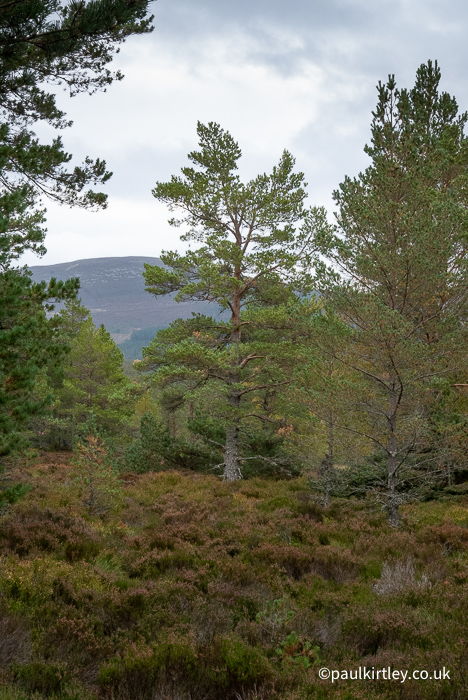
x: 178, y: 585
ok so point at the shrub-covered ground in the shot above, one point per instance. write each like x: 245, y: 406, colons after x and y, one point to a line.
x: 177, y: 586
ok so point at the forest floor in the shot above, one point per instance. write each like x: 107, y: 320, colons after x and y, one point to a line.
x: 176, y: 586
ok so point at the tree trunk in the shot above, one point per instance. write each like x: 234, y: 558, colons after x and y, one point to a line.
x: 232, y: 470
x: 393, y: 511
x: 392, y: 464
x: 327, y: 467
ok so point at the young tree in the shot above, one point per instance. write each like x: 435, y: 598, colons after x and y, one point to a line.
x: 94, y: 382
x: 27, y: 347
x: 401, y: 247
x: 255, y: 244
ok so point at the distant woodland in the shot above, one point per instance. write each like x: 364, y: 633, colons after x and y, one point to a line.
x: 277, y: 485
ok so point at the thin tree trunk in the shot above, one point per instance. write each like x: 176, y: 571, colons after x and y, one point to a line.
x: 232, y: 470
x: 231, y: 454
x: 192, y: 436
x: 392, y: 465
x: 327, y: 466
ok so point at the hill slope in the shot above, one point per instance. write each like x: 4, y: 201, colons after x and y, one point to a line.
x: 113, y: 289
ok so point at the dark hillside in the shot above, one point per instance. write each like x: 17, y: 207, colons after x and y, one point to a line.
x: 113, y: 289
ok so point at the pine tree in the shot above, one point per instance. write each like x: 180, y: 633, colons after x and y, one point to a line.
x: 402, y: 244
x: 94, y: 383
x: 255, y: 244
x: 59, y: 43
x: 27, y: 347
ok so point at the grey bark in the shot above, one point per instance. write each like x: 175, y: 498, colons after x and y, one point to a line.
x: 327, y: 467
x: 232, y: 470
x: 393, y: 503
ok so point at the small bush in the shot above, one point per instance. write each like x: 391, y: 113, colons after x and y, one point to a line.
x: 399, y: 576
x: 96, y: 473
x: 12, y: 494
x: 34, y: 529
x: 298, y: 652
x: 42, y: 677
x: 143, y: 668
x: 240, y: 666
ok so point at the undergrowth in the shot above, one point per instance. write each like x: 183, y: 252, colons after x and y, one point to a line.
x: 186, y: 588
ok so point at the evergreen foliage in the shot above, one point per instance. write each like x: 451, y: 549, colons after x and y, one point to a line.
x: 401, y: 248
x: 27, y: 346
x: 256, y: 243
x: 93, y: 380
x: 44, y: 42
x: 58, y: 43
x: 156, y: 450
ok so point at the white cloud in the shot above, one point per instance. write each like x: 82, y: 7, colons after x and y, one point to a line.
x: 300, y: 76
x: 127, y: 227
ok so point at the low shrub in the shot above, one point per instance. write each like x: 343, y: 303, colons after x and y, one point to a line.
x: 43, y: 677
x: 141, y: 668
x: 12, y: 494
x: 399, y: 576
x: 15, y: 639
x: 193, y: 589
x: 35, y: 530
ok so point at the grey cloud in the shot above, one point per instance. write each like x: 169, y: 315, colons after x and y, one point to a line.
x: 352, y: 43
x: 366, y: 37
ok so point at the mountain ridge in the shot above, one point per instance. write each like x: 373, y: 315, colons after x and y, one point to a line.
x: 113, y: 289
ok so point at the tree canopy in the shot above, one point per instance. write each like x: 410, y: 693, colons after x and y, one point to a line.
x: 44, y: 43
x: 401, y: 243
x: 50, y: 42
x: 255, y: 244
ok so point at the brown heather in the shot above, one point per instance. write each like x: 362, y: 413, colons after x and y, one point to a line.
x: 187, y: 588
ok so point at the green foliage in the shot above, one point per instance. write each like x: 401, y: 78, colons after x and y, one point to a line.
x: 243, y: 665
x: 156, y: 450
x: 255, y: 244
x: 28, y: 344
x: 95, y: 471
x: 43, y: 677
x: 12, y: 494
x: 93, y: 381
x: 401, y: 245
x: 274, y: 616
x: 295, y: 651
x: 40, y: 42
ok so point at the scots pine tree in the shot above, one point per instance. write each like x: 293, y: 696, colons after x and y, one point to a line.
x: 50, y: 42
x: 254, y: 243
x: 28, y: 346
x: 44, y: 42
x: 401, y: 247
x: 94, y: 383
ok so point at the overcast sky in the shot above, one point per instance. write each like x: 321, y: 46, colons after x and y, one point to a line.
x: 299, y: 75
